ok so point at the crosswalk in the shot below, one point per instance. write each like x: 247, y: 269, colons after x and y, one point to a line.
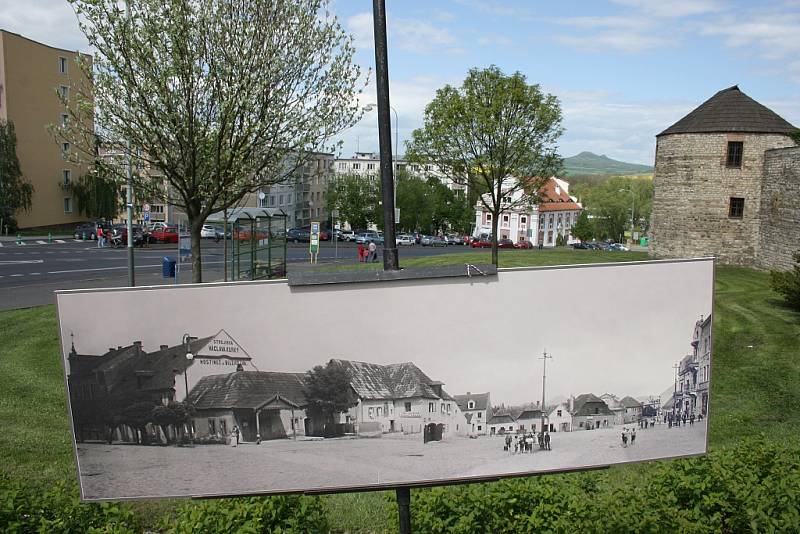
x: 38, y: 242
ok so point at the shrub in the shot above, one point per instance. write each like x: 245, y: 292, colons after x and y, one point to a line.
x: 279, y: 514
x: 788, y: 283
x: 25, y: 508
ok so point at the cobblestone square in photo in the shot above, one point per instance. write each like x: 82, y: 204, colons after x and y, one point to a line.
x: 110, y: 471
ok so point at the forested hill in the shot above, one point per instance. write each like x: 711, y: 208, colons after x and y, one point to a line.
x: 590, y: 163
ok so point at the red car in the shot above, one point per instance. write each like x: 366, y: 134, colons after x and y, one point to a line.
x: 481, y: 243
x: 505, y: 243
x: 168, y: 234
x: 524, y: 243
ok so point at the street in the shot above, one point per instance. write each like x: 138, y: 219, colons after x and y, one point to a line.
x: 109, y: 471
x: 30, y: 273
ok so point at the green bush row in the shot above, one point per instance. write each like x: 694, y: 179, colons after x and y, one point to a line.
x: 754, y: 487
x: 24, y: 509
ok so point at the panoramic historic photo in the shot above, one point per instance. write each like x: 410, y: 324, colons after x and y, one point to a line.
x: 252, y: 388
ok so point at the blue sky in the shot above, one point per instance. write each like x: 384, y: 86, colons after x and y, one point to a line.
x: 623, y: 69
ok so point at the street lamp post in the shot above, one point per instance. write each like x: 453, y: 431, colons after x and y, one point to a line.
x: 187, y: 339
x: 544, y: 359
x: 370, y: 107
x: 633, y: 206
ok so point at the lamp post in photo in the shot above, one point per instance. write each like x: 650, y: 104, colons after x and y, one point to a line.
x: 544, y: 359
x: 633, y: 206
x: 187, y: 340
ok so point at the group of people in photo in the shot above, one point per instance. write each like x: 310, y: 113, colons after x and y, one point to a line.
x: 527, y: 442
x: 681, y: 419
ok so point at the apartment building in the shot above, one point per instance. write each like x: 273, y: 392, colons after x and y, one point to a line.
x: 32, y: 75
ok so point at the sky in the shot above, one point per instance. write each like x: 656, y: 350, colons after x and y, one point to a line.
x: 623, y: 70
x: 614, y: 328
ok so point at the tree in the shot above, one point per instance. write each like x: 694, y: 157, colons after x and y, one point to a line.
x: 224, y: 98
x: 137, y: 416
x: 356, y: 198
x: 788, y: 283
x: 496, y: 134
x: 582, y: 229
x: 15, y: 192
x: 97, y: 193
x: 611, y: 201
x: 328, y: 392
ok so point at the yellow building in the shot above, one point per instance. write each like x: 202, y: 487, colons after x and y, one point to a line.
x: 31, y: 76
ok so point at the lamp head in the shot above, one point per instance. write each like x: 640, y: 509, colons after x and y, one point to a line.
x: 368, y: 107
x: 189, y: 356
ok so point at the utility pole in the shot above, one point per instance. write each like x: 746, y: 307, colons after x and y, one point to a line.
x: 129, y: 192
x: 390, y: 259
x: 544, y: 359
x: 675, y: 366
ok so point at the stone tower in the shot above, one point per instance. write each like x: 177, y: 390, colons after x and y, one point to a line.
x: 709, y: 172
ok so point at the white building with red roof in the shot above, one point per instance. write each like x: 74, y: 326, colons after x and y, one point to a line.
x: 541, y: 223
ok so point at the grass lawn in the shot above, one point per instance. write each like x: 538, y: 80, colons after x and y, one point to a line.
x: 756, y: 386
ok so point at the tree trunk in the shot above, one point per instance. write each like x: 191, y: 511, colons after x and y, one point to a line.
x: 495, y: 223
x: 195, y: 226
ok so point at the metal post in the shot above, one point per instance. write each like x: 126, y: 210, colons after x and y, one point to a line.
x: 544, y: 357
x: 404, y: 509
x: 225, y: 245
x: 129, y: 194
x: 390, y: 259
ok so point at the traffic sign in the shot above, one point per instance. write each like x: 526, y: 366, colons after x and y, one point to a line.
x: 146, y: 216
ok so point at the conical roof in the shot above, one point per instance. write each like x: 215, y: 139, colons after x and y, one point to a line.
x: 728, y: 111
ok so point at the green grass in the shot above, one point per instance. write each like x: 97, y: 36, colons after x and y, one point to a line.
x: 756, y: 386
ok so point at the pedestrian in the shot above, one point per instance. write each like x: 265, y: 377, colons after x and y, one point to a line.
x: 624, y: 437
x: 691, y: 420
x: 633, y: 436
x: 361, y: 252
x: 684, y: 418
x: 235, y: 434
x: 547, y: 441
x: 100, y: 237
x: 373, y: 251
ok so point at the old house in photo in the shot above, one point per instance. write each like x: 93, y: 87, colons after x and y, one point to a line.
x: 615, y: 406
x: 529, y: 421
x: 727, y: 184
x: 265, y: 405
x: 503, y: 423
x: 476, y: 408
x: 399, y: 398
x: 589, y: 412
x: 694, y: 372
x: 633, y: 409
x: 560, y: 418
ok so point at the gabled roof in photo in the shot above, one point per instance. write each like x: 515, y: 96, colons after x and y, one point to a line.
x: 248, y: 390
x: 630, y: 402
x: 730, y: 111
x: 530, y: 414
x: 501, y: 419
x: 481, y: 401
x: 395, y: 381
x: 590, y: 404
x: 553, y: 197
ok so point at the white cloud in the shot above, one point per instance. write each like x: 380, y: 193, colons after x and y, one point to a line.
x: 407, y: 34
x: 623, y: 42
x: 51, y: 22
x: 499, y: 9
x: 494, y: 40
x: 774, y: 35
x: 673, y: 8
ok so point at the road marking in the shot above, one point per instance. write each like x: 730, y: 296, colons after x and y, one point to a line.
x: 1, y: 244
x: 40, y: 242
x: 34, y: 273
x: 16, y: 275
x: 18, y: 262
x: 60, y: 241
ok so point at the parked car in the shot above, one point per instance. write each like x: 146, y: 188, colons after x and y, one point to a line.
x: 481, y: 243
x: 453, y: 239
x: 433, y: 241
x: 298, y: 235
x: 617, y: 247
x: 505, y: 243
x: 348, y: 235
x: 157, y: 224
x: 405, y: 240
x: 582, y: 246
x: 365, y: 237
x: 118, y: 236
x: 164, y: 234
x: 208, y: 232
x: 87, y: 230
x: 524, y: 244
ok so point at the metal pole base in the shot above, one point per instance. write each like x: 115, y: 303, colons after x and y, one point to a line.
x: 404, y: 509
x: 391, y: 261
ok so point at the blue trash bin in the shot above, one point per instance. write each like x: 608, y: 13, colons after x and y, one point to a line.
x: 168, y: 267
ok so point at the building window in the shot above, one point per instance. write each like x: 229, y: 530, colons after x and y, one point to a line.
x: 64, y: 149
x: 408, y: 406
x: 558, y: 413
x: 280, y: 200
x: 63, y: 92
x: 471, y: 405
x: 736, y: 210
x: 735, y: 149
x: 271, y: 200
x: 67, y: 205
x: 356, y: 166
x: 66, y: 175
x: 479, y: 427
x: 479, y: 414
x: 370, y: 166
x: 371, y: 413
x: 64, y: 120
x: 342, y: 166
x: 431, y: 408
x: 223, y: 427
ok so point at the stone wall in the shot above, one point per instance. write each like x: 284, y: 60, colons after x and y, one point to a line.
x: 693, y: 187
x: 780, y: 209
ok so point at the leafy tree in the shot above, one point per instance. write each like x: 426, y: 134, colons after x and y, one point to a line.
x: 174, y: 414
x: 224, y: 98
x: 495, y: 133
x: 328, y: 392
x: 582, y: 229
x: 356, y: 198
x: 137, y: 416
x: 610, y: 204
x: 788, y: 283
x: 15, y: 192
x: 97, y: 193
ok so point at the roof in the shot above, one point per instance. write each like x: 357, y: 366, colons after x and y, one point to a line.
x: 248, y: 390
x: 590, y: 404
x: 730, y: 110
x: 481, y: 401
x: 501, y: 419
x: 630, y: 402
x: 395, y: 381
x: 530, y: 414
x: 553, y: 197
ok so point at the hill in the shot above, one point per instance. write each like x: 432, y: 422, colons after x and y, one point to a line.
x: 590, y: 163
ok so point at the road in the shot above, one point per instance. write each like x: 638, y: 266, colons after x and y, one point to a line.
x: 30, y: 273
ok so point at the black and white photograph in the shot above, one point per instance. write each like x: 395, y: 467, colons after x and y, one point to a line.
x: 259, y: 387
